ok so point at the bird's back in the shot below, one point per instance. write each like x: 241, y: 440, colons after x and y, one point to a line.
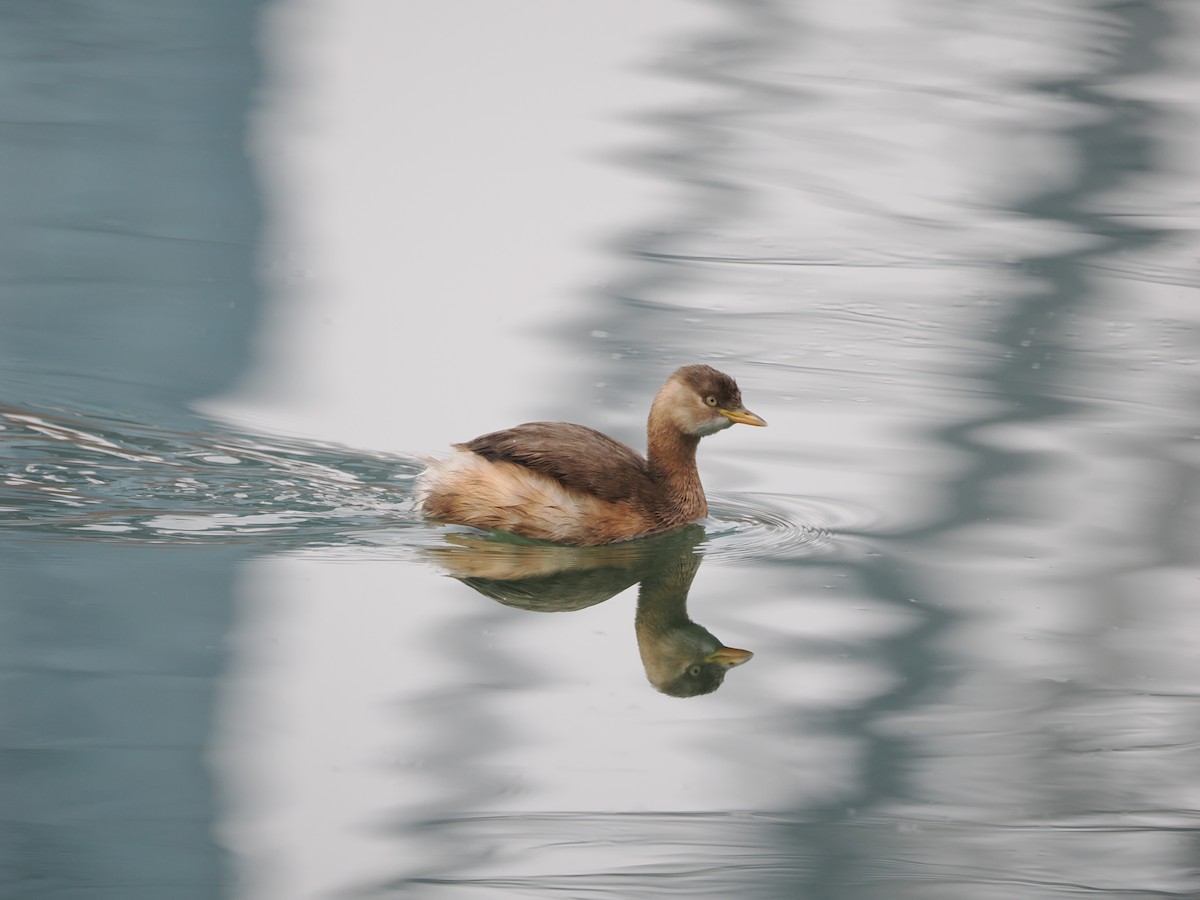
x: 578, y: 457
x: 551, y: 481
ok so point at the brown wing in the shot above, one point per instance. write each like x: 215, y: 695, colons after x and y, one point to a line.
x: 578, y: 456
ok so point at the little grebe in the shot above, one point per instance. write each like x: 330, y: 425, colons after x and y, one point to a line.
x: 570, y: 484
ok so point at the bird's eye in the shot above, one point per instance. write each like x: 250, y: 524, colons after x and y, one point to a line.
x: 710, y: 400
x: 694, y: 671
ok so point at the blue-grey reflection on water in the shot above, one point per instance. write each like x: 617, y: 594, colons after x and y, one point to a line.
x: 130, y: 219
x: 131, y: 241
x: 950, y: 248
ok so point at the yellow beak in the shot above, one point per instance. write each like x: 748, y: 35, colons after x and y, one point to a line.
x: 728, y: 656
x: 741, y: 416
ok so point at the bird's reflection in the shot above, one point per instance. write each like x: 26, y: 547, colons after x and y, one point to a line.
x: 681, y: 658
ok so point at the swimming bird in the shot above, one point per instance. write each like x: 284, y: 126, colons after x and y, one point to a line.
x: 570, y: 484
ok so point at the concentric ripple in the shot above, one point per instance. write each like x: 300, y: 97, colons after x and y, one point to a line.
x: 780, y: 526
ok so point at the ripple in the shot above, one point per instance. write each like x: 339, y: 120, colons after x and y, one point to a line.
x: 780, y: 526
x: 68, y: 474
x: 73, y: 475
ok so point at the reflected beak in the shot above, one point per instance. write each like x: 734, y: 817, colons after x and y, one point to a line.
x: 729, y: 656
x: 741, y: 416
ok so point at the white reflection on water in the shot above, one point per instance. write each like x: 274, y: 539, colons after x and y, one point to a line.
x: 943, y: 250
x: 418, y: 282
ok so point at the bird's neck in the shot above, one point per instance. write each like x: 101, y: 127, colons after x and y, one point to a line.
x: 662, y: 597
x: 668, y: 640
x: 671, y: 455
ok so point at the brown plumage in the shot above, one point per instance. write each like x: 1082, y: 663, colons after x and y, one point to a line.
x: 555, y: 481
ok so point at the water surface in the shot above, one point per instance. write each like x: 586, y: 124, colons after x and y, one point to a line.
x: 263, y: 260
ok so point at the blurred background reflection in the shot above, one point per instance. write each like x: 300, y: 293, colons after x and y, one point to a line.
x: 262, y: 258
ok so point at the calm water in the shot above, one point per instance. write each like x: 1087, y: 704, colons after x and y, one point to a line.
x: 259, y: 258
